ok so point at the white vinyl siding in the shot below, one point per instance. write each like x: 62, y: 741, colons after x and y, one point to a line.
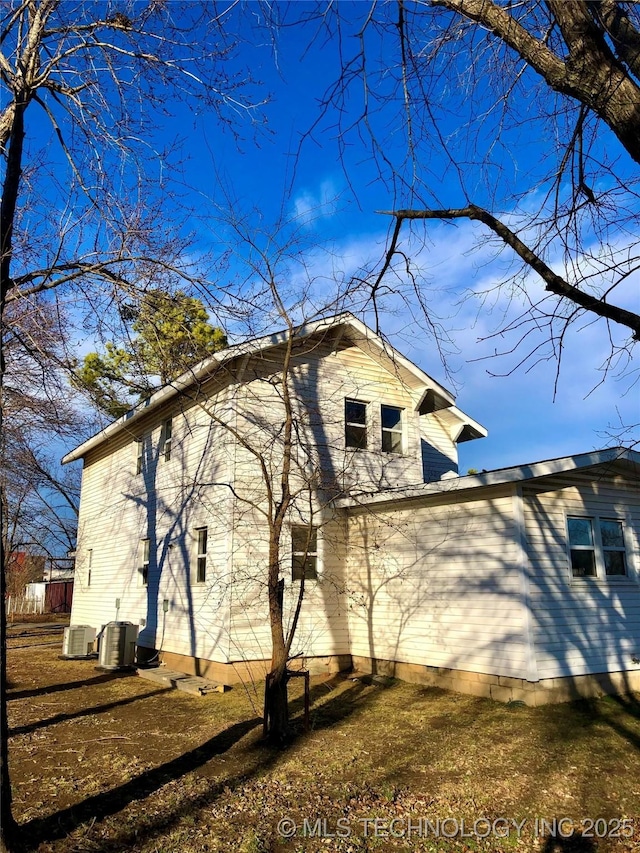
x: 213, y: 481
x: 438, y: 585
x: 165, y: 503
x: 582, y: 624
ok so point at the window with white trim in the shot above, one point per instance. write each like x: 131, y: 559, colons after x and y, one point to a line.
x: 89, y: 565
x: 355, y: 424
x: 139, y: 455
x: 304, y: 552
x: 201, y: 554
x: 145, y: 559
x: 596, y: 547
x: 165, y: 439
x: 391, y: 420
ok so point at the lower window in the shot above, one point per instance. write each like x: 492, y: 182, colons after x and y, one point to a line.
x: 201, y: 556
x: 304, y: 552
x: 596, y: 547
x: 143, y: 568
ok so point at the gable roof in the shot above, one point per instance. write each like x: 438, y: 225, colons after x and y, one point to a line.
x: 432, y: 395
x: 619, y: 456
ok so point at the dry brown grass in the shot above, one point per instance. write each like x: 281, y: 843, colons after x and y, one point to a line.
x: 113, y: 763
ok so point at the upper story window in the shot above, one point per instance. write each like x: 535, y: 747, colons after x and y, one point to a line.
x: 391, y: 418
x: 304, y: 552
x: 139, y: 455
x: 145, y: 559
x: 355, y: 424
x: 201, y: 556
x: 89, y: 565
x: 165, y: 439
x: 596, y: 547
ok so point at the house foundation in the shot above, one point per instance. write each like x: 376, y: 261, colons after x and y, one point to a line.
x: 498, y: 687
x: 503, y: 688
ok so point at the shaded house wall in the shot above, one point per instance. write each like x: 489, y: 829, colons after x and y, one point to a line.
x: 213, y: 480
x: 477, y: 592
x: 436, y: 583
x: 582, y: 625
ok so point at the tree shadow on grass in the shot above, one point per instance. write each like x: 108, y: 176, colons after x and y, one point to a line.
x: 619, y: 712
x: 84, y: 712
x: 573, y: 844
x: 68, y: 685
x: 256, y: 757
x: 100, y: 806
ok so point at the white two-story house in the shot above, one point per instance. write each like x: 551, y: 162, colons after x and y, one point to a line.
x: 491, y: 583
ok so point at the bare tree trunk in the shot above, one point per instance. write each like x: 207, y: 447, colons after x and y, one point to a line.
x: 7, y: 217
x: 276, y: 695
x: 7, y: 823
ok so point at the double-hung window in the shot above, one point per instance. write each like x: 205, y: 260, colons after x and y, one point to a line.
x: 201, y: 555
x: 391, y: 419
x: 304, y: 552
x: 596, y: 547
x: 355, y: 424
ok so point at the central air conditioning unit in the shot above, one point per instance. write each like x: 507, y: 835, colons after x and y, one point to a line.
x: 78, y: 641
x: 118, y: 645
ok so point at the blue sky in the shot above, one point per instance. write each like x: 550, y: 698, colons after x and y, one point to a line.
x: 291, y: 164
x: 532, y: 412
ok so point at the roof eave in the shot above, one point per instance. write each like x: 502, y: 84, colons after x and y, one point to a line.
x: 497, y: 477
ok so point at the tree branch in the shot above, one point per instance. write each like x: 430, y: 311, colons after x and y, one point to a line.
x: 554, y: 283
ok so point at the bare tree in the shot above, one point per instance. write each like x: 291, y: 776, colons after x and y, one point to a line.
x: 287, y: 468
x: 40, y: 500
x: 85, y: 179
x: 523, y: 117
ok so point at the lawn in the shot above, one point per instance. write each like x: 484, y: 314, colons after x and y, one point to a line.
x: 110, y: 762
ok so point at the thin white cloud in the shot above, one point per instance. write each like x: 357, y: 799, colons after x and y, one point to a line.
x: 311, y: 206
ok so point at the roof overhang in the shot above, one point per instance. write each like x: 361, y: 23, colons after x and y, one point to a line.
x: 344, y: 326
x: 630, y: 459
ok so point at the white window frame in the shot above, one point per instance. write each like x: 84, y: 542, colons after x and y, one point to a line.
x: 356, y: 425
x: 166, y: 436
x: 392, y: 431
x: 89, y: 565
x: 598, y: 549
x: 145, y: 561
x: 202, y: 538
x: 309, y: 553
x: 139, y: 455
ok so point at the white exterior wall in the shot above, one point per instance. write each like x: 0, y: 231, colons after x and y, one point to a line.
x: 582, y: 625
x: 322, y: 468
x: 438, y: 585
x: 165, y: 504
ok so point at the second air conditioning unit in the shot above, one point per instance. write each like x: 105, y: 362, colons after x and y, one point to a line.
x: 118, y: 645
x: 78, y: 641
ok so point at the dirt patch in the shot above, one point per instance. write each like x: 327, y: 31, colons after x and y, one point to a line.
x: 110, y: 762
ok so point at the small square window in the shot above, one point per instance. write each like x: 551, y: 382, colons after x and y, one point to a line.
x: 355, y: 419
x: 304, y: 552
